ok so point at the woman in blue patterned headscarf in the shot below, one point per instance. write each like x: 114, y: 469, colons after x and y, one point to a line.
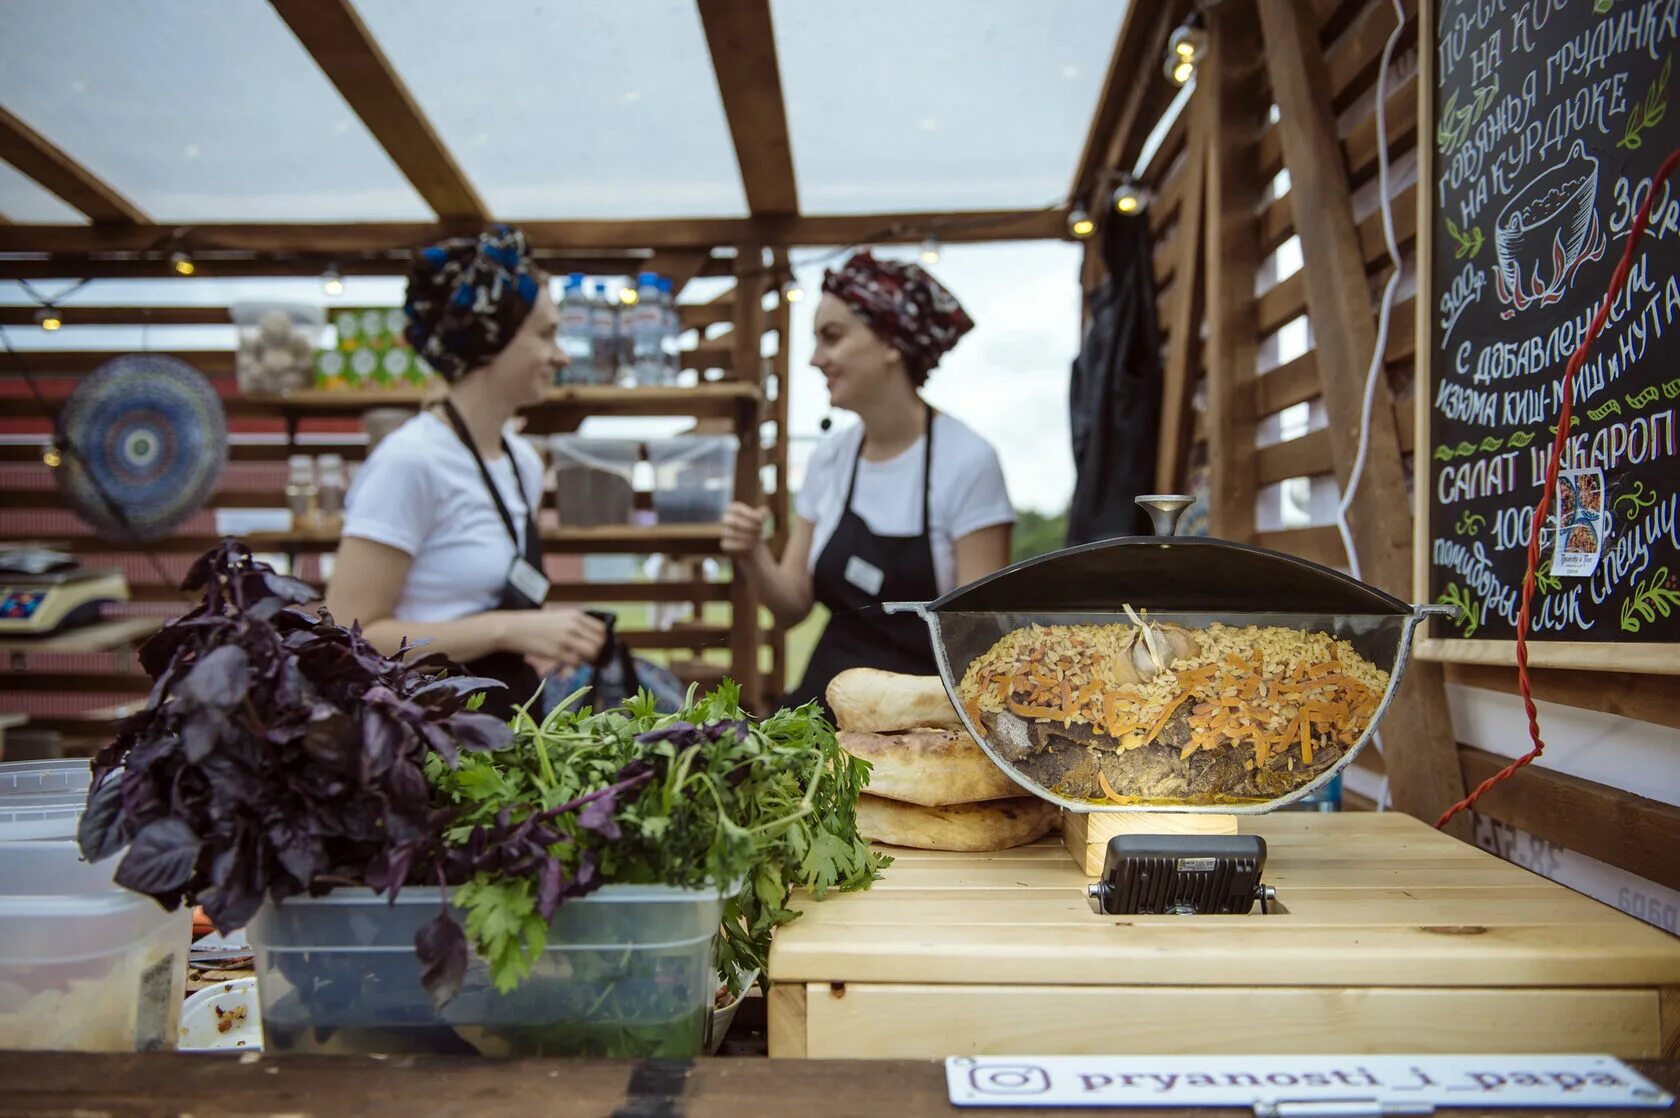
x: 440, y: 538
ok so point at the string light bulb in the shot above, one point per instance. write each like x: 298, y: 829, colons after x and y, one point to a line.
x: 628, y: 296
x: 182, y: 263
x: 1186, y: 47
x: 930, y: 251
x: 1080, y: 223
x: 1129, y: 198
x: 51, y: 458
x: 331, y: 282
x: 793, y: 292
x: 48, y: 319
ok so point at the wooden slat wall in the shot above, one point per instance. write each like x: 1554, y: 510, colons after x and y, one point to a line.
x: 1613, y: 825
x: 78, y: 693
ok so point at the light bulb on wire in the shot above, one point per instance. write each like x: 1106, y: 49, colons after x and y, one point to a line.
x: 1080, y: 223
x: 793, y: 292
x: 1186, y: 47
x: 930, y: 251
x: 331, y: 282
x: 1129, y: 198
x: 48, y: 319
x: 182, y: 263
x: 629, y: 296
x: 51, y: 458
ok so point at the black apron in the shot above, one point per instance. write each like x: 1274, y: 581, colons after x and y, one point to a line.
x: 510, y: 668
x: 856, y: 572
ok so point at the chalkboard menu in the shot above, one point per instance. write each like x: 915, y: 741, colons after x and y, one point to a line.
x: 1549, y: 119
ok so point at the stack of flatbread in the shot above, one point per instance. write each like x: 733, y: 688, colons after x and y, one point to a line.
x: 931, y: 786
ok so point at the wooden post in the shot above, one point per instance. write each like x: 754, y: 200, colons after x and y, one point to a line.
x: 782, y: 505
x: 1422, y: 763
x: 1230, y: 116
x: 1185, y: 319
x: 744, y: 637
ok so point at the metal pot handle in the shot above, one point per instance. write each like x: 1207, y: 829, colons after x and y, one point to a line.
x: 1164, y: 509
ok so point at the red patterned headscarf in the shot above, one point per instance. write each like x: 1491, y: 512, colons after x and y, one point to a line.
x: 903, y: 304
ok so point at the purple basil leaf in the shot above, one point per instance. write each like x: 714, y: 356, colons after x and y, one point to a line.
x: 218, y: 679
x: 441, y: 743
x: 331, y: 737
x: 288, y: 589
x: 389, y: 869
x: 548, y: 894
x: 598, y: 816
x: 100, y: 831
x: 480, y: 733
x: 160, y: 860
x: 200, y: 731
x: 457, y: 687
x: 442, y: 947
x: 382, y: 741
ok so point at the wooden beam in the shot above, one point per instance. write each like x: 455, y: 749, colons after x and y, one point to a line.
x: 1120, y: 91
x: 1646, y: 698
x: 1184, y: 327
x: 1231, y: 118
x: 743, y: 49
x: 329, y: 240
x: 751, y: 280
x: 332, y: 32
x: 1423, y: 772
x: 124, y: 316
x: 1615, y: 826
x: 46, y: 163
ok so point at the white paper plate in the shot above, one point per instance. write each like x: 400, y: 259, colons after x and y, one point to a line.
x: 231, y: 1004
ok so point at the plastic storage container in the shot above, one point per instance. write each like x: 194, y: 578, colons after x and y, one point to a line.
x: 694, y: 477
x: 42, y: 799
x: 593, y: 479
x: 84, y: 964
x: 628, y: 972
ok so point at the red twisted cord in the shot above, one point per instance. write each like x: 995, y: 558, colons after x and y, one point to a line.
x: 1554, y: 461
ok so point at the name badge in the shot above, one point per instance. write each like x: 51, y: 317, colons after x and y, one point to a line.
x: 529, y: 581
x: 865, y: 576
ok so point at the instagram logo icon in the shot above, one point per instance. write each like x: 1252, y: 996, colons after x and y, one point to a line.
x: 1009, y: 1079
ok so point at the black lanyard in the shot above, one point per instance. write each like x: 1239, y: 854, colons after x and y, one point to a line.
x: 465, y: 436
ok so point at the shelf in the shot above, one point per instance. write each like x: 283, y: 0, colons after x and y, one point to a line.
x: 101, y: 636
x: 659, y: 539
x: 712, y: 400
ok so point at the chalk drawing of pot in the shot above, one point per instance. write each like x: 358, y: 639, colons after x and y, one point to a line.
x: 1546, y: 232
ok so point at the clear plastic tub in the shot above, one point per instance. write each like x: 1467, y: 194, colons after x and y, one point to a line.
x: 694, y: 477
x: 628, y: 973
x: 277, y: 344
x: 593, y: 479
x: 85, y: 965
x: 42, y: 799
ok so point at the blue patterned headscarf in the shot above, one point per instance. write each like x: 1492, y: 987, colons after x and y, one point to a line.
x: 467, y: 298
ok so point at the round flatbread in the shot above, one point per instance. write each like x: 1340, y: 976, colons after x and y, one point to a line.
x: 997, y: 825
x: 930, y: 767
x: 866, y: 700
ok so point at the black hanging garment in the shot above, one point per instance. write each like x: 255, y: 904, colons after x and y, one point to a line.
x: 1115, y: 392
x: 526, y: 586
x: 856, y: 572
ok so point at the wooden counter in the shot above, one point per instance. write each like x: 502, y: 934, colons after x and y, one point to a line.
x: 57, y: 1085
x: 1396, y: 938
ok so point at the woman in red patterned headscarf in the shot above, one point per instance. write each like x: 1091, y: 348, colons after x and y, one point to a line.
x: 905, y: 506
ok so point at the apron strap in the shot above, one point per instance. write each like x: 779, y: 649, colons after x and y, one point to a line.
x: 927, y: 473
x: 465, y: 436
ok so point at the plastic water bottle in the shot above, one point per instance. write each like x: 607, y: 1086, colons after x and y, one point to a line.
x: 647, y: 333
x: 603, y: 336
x: 671, y: 343
x: 575, y: 332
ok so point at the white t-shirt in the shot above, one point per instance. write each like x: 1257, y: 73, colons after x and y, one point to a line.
x: 968, y: 492
x: 420, y: 492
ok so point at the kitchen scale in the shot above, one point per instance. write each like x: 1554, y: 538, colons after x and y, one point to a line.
x: 45, y: 592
